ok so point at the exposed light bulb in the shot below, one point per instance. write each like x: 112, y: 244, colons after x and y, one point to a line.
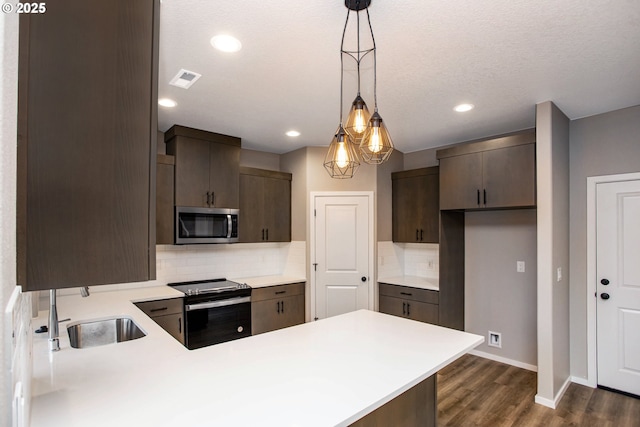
x: 375, y: 142
x: 360, y: 124
x: 342, y: 157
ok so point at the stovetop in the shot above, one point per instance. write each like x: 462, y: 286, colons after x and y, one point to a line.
x: 211, y: 286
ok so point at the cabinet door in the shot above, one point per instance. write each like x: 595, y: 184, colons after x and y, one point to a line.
x: 224, y: 175
x: 422, y: 311
x: 251, y: 208
x: 510, y: 176
x: 265, y: 316
x: 87, y: 129
x: 461, y: 182
x: 405, y: 210
x: 429, y: 208
x: 164, y: 204
x: 291, y: 311
x: 393, y: 306
x: 173, y: 324
x: 192, y: 170
x: 277, y: 209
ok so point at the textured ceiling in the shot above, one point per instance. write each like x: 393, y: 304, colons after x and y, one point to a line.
x: 503, y: 56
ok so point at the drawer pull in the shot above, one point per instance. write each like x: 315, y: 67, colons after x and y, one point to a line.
x: 406, y: 293
x: 153, y: 310
x: 280, y: 292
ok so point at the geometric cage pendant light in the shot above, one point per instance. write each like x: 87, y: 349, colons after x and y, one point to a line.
x: 362, y: 131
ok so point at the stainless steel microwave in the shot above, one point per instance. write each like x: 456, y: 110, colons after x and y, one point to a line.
x: 206, y: 225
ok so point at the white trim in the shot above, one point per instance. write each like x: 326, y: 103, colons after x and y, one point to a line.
x: 312, y: 249
x: 553, y: 404
x: 592, y: 350
x: 581, y: 381
x: 500, y: 359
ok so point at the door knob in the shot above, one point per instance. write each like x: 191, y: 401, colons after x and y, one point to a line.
x: 604, y: 282
x: 604, y: 296
x: 363, y: 278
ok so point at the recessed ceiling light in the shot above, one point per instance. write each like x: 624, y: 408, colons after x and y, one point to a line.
x: 166, y: 102
x: 463, y: 107
x: 293, y: 133
x: 226, y: 43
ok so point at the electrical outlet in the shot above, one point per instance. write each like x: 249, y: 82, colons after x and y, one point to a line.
x: 495, y: 339
x: 430, y: 264
x: 520, y: 266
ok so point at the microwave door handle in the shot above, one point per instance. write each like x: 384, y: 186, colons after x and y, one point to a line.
x: 229, y: 227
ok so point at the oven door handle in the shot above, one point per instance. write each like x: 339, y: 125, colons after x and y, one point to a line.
x: 218, y: 303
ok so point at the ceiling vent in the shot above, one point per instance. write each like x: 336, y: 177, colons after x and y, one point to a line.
x: 185, y: 79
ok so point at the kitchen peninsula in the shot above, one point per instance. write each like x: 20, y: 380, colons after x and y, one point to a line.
x: 332, y: 372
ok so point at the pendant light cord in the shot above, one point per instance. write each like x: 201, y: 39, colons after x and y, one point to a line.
x: 375, y: 67
x: 342, y: 62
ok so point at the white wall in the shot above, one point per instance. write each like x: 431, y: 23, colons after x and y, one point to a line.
x: 15, y: 334
x: 605, y: 144
x: 552, y: 154
x: 497, y: 297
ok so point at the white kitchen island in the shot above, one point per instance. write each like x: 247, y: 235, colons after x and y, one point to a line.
x: 331, y: 372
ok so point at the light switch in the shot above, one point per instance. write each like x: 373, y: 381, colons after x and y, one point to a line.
x: 559, y: 274
x: 520, y: 266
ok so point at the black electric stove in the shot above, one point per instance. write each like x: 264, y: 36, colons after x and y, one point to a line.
x: 216, y: 311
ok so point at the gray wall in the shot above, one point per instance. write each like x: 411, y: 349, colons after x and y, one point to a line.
x: 497, y: 297
x: 552, y: 155
x: 605, y: 144
x: 259, y: 159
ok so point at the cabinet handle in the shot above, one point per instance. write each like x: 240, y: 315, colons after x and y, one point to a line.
x: 416, y: 234
x: 403, y: 308
x: 278, y: 306
x: 408, y: 308
x: 179, y: 325
x: 421, y: 237
x: 478, y: 197
x: 153, y: 310
x: 213, y: 199
x: 263, y: 234
x: 267, y: 234
x: 282, y: 306
x: 406, y: 293
x: 208, y: 199
x: 485, y: 196
x: 280, y: 292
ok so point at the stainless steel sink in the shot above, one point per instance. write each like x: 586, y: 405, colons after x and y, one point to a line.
x: 93, y: 333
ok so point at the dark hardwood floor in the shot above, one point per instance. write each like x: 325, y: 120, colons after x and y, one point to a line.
x: 474, y: 391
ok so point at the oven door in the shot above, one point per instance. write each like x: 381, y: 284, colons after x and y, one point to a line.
x: 214, y: 322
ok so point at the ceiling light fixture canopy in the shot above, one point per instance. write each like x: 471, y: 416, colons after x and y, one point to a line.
x: 361, y: 128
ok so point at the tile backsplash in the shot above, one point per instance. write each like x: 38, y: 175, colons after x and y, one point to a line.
x: 408, y: 259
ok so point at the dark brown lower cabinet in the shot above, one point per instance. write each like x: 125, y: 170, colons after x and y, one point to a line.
x: 412, y: 303
x: 168, y: 313
x: 277, y: 307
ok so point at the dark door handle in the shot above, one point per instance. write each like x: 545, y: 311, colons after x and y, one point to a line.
x: 404, y: 308
x: 406, y: 293
x: 213, y: 199
x: 408, y: 308
x: 278, y: 306
x: 267, y: 234
x: 179, y: 325
x: 478, y: 196
x: 421, y: 231
x: 416, y: 234
x: 484, y: 192
x: 281, y: 306
x: 604, y: 282
x: 263, y: 234
x: 208, y: 199
x: 363, y: 278
x: 604, y: 295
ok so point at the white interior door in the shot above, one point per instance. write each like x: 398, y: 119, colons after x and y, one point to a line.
x: 343, y: 253
x: 618, y: 287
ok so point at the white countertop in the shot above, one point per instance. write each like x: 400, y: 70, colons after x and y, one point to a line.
x: 412, y: 281
x: 325, y: 373
x: 264, y: 281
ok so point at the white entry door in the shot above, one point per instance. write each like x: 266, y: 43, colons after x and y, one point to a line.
x: 343, y: 254
x: 618, y: 287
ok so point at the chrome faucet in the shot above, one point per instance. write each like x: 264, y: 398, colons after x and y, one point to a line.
x: 54, y: 342
x: 84, y: 291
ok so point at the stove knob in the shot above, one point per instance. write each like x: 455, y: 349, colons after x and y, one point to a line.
x: 240, y: 329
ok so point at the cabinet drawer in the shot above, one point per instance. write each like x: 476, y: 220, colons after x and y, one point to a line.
x: 407, y: 293
x: 279, y: 291
x: 161, y: 307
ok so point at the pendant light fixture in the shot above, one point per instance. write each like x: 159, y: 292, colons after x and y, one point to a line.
x: 366, y: 131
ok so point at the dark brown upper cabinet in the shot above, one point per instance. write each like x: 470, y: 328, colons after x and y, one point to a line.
x: 87, y: 132
x: 265, y: 206
x: 415, y: 212
x: 492, y: 174
x: 206, y: 169
x: 165, y: 200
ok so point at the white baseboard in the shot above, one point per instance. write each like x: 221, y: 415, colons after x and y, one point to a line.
x: 553, y: 404
x: 500, y: 359
x: 583, y: 381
